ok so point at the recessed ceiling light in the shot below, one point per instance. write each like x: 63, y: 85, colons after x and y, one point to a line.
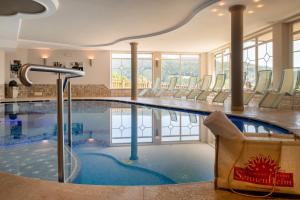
x: 260, y: 5
x: 256, y: 1
x: 214, y: 10
x: 250, y: 12
x: 221, y: 14
x: 222, y: 3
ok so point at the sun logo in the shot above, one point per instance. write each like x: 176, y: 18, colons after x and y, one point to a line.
x: 263, y: 170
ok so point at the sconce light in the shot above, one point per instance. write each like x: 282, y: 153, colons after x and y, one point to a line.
x: 156, y: 62
x: 91, y: 58
x: 44, y: 58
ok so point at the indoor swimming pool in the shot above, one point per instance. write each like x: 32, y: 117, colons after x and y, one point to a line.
x: 170, y: 147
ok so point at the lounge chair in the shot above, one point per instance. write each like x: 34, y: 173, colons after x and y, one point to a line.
x: 173, y: 116
x: 219, y: 84
x: 170, y: 90
x: 287, y: 87
x: 193, y: 118
x: 151, y: 91
x: 192, y: 83
x: 261, y: 87
x: 224, y: 94
x: 203, y: 85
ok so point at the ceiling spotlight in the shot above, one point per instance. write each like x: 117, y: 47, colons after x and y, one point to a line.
x: 221, y: 14
x: 256, y: 1
x: 222, y: 3
x: 214, y: 10
x: 250, y: 12
x: 260, y: 5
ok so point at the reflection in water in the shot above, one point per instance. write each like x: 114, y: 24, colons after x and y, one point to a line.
x: 28, y: 130
x: 109, y: 124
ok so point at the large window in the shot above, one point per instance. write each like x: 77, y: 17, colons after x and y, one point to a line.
x: 222, y: 65
x: 296, y: 44
x: 257, y: 55
x: 181, y: 66
x: 121, y: 70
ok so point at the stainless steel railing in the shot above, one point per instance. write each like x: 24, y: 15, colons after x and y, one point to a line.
x: 68, y: 74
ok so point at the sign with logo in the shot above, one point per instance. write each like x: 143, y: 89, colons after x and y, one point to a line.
x: 263, y: 170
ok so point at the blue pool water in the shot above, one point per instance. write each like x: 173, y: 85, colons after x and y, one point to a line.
x: 170, y: 147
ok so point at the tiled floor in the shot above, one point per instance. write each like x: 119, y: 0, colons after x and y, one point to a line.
x: 14, y: 187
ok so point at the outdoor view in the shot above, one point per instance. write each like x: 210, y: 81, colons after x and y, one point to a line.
x: 121, y: 70
x: 257, y: 56
x: 181, y: 66
x: 296, y: 44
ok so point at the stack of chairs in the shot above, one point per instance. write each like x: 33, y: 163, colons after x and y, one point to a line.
x: 219, y: 84
x: 203, y: 85
x: 261, y: 87
x: 287, y: 87
x: 192, y: 83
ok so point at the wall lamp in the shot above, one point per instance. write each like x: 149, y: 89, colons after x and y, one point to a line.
x: 91, y: 58
x: 44, y: 58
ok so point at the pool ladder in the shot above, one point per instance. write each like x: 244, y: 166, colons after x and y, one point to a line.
x: 60, y: 85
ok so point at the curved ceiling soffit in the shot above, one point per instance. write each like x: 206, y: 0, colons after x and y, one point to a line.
x: 34, y: 9
x: 179, y: 24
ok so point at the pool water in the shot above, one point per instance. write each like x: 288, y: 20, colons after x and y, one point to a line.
x: 170, y: 146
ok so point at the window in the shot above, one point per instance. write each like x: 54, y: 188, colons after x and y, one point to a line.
x: 249, y: 56
x: 265, y: 52
x: 181, y: 66
x: 257, y: 56
x: 222, y: 65
x: 296, y: 44
x: 121, y: 70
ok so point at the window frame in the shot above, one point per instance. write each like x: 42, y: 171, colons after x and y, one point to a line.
x: 293, y: 33
x: 126, y: 52
x: 256, y: 45
x: 180, y: 55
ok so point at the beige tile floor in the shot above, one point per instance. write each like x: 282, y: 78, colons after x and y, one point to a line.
x: 15, y: 188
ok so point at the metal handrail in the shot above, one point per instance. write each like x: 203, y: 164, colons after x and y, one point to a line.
x: 23, y: 72
x: 69, y: 73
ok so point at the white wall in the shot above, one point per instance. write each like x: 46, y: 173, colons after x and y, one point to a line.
x: 2, y: 67
x: 16, y: 54
x: 98, y: 73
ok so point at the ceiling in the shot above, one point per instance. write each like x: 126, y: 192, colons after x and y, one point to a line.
x: 158, y: 25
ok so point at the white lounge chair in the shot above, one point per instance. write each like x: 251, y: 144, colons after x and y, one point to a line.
x: 219, y: 84
x: 261, y: 87
x: 173, y: 116
x: 224, y: 94
x: 193, y: 118
x: 287, y: 87
x: 203, y: 85
x: 171, y: 88
x: 192, y: 83
x: 151, y: 91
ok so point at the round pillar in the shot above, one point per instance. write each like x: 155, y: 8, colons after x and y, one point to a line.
x: 237, y: 81
x: 133, y: 46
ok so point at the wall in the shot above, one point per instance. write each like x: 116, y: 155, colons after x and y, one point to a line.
x: 98, y: 73
x: 96, y: 81
x: 2, y: 74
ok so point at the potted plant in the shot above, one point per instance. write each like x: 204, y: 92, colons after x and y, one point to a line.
x: 13, y: 89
